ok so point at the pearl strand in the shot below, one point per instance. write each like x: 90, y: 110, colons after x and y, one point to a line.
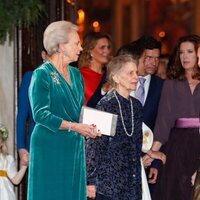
x: 132, y: 116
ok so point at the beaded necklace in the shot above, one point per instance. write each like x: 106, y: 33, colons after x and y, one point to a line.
x: 132, y: 116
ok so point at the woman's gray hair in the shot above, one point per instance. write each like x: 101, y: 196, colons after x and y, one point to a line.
x: 117, y: 64
x: 56, y: 33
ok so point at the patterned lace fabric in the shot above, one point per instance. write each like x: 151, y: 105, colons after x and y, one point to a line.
x: 113, y: 163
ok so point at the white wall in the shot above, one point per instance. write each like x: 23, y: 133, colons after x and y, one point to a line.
x: 7, y: 91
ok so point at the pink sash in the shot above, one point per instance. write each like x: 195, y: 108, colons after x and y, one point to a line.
x: 187, y: 123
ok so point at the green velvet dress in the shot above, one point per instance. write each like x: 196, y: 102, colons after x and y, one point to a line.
x: 57, y: 168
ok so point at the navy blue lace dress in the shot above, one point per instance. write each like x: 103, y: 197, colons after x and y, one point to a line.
x: 113, y: 163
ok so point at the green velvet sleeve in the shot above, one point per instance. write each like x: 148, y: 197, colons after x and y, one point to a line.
x: 39, y: 95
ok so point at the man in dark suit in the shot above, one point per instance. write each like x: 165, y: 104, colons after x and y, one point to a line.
x: 153, y: 84
x: 150, y: 50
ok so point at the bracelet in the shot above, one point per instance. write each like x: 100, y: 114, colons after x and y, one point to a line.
x: 70, y: 126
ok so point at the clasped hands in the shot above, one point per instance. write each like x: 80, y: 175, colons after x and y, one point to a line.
x: 148, y: 159
x: 151, y: 155
x: 86, y: 130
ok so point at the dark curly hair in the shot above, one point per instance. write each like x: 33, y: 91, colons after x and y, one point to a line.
x: 176, y: 70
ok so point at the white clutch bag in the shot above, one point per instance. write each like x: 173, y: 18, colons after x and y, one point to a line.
x: 147, y: 138
x: 106, y: 122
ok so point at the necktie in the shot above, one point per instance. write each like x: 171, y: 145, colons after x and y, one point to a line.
x: 140, y: 91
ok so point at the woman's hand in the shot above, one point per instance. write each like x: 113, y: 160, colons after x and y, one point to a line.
x: 86, y: 130
x: 24, y: 157
x: 147, y: 160
x: 157, y: 155
x: 91, y: 191
x: 153, y: 174
x: 83, y: 129
x: 106, y: 87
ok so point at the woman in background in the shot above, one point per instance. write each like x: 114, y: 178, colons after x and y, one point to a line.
x: 178, y: 123
x: 196, y: 195
x: 92, y: 63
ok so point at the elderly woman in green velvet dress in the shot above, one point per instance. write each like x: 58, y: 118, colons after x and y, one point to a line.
x: 57, y: 155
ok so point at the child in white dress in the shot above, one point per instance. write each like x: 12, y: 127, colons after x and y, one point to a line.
x: 8, y: 170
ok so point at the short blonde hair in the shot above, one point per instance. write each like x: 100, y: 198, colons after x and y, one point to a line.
x: 116, y: 64
x: 56, y: 33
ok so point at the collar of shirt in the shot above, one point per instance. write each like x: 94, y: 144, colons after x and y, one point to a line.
x: 146, y: 87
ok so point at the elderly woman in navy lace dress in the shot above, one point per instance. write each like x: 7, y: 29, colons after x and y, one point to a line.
x: 113, y: 162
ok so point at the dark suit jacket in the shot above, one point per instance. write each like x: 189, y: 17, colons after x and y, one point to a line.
x: 25, y: 122
x: 95, y: 98
x: 150, y: 107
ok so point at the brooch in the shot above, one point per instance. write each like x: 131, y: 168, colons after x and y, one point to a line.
x: 55, y: 77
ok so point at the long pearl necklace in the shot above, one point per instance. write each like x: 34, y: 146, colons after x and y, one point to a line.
x: 132, y: 116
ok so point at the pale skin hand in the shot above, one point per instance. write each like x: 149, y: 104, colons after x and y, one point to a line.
x: 151, y: 155
x: 91, y: 191
x: 20, y: 174
x: 157, y: 155
x: 83, y: 129
x: 153, y: 174
x: 153, y: 171
x: 23, y: 157
x: 156, y: 146
x: 147, y: 160
x: 17, y: 179
x: 106, y: 87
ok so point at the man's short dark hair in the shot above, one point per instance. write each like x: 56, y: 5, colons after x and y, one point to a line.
x: 149, y: 42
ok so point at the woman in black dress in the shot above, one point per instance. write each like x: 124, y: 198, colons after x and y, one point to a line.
x: 113, y: 162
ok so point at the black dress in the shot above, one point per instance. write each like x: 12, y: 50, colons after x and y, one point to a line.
x: 94, y: 99
x: 113, y: 163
